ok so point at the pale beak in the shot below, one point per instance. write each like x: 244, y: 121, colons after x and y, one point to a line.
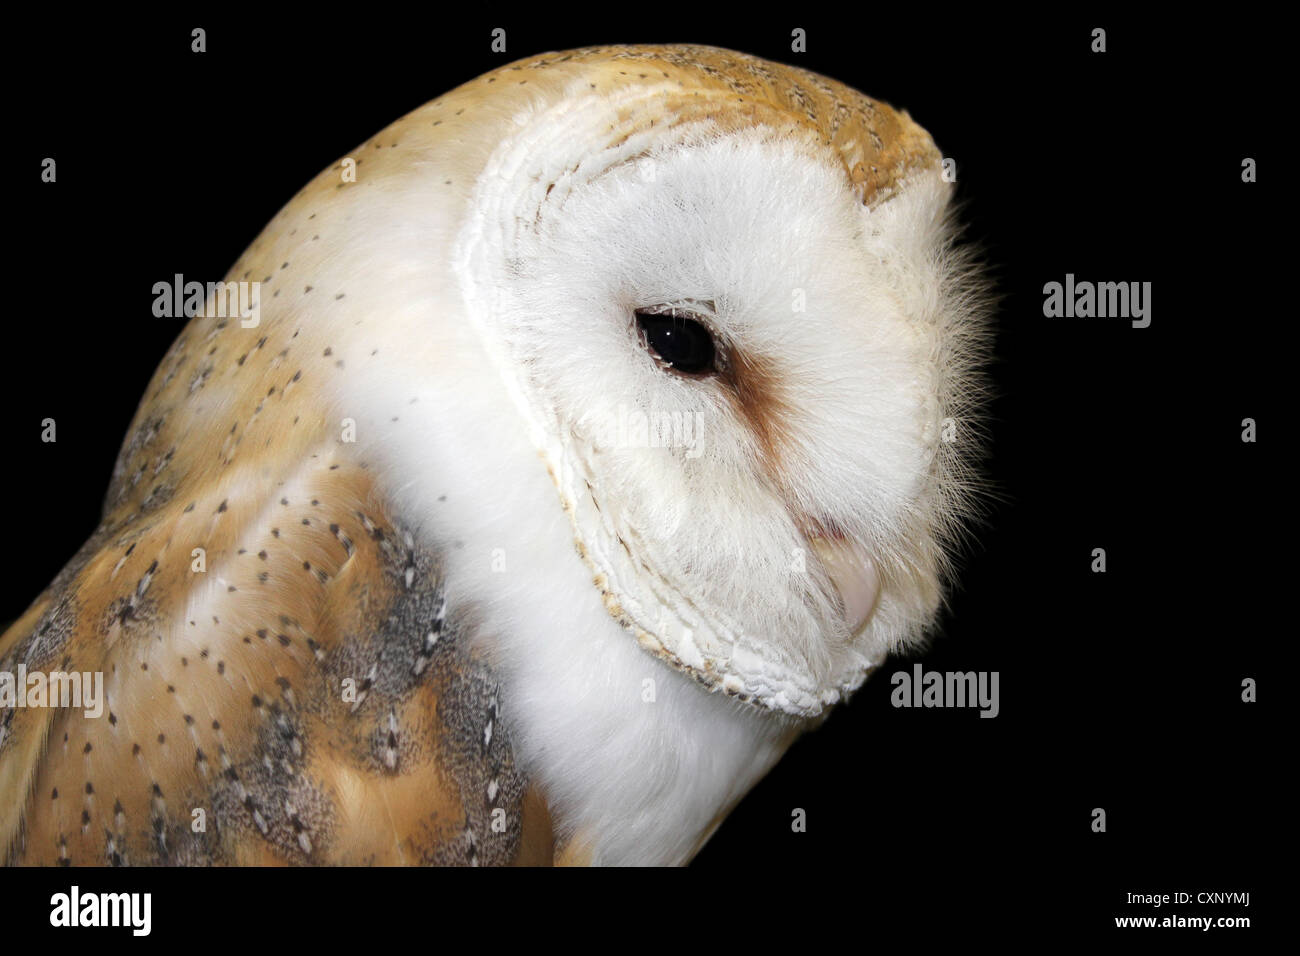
x: 854, y: 575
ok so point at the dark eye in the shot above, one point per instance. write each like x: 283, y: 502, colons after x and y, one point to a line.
x: 679, y: 340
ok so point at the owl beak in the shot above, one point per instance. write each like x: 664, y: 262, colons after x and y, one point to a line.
x: 854, y: 575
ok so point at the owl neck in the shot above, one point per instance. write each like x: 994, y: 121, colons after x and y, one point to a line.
x: 637, y: 762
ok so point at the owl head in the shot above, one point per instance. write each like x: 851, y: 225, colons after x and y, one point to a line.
x: 725, y: 296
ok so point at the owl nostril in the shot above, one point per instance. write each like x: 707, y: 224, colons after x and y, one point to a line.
x: 680, y: 341
x: 820, y: 527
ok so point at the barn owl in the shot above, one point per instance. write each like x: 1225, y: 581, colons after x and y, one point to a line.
x: 585, y: 447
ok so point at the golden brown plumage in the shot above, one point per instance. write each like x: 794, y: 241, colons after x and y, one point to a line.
x: 226, y: 694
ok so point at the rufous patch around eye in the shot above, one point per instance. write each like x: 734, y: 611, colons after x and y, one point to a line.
x: 752, y: 384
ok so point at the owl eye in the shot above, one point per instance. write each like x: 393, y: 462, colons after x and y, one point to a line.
x: 681, y: 342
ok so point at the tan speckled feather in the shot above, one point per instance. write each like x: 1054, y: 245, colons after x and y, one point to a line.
x: 225, y: 685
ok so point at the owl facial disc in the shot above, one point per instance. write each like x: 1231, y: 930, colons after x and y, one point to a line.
x: 816, y: 241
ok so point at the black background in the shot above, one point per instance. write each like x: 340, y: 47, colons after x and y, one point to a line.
x: 1119, y: 690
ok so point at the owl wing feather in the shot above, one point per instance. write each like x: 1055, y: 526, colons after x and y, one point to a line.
x: 283, y: 682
